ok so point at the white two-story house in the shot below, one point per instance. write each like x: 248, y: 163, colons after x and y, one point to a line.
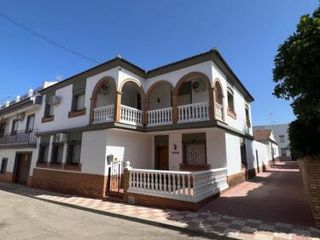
x: 189, y: 116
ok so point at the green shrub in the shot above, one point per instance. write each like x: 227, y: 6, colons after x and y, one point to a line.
x: 304, y: 137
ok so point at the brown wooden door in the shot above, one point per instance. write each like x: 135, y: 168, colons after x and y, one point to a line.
x: 23, y: 161
x: 163, y: 157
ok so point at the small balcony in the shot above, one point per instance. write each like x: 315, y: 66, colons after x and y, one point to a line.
x: 130, y: 115
x: 103, y: 114
x: 21, y: 138
x: 195, y: 112
x: 159, y: 117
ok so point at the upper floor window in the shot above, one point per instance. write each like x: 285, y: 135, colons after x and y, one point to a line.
x: 282, y: 138
x: 78, y: 102
x: 248, y: 123
x: 49, y: 108
x: 14, y: 128
x: 230, y: 101
x: 2, y: 129
x: 78, y: 93
x: 30, y: 123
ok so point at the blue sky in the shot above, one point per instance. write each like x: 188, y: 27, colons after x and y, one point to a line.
x: 149, y: 33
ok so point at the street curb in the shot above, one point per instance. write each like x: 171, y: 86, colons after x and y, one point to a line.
x: 192, y: 232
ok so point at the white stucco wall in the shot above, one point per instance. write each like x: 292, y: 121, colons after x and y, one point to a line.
x: 93, y: 152
x: 11, y: 155
x: 163, y: 93
x: 216, y: 148
x: 61, y: 120
x: 233, y: 153
x: 130, y: 146
x: 175, y: 155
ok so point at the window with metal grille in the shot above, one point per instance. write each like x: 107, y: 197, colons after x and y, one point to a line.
x: 4, y: 165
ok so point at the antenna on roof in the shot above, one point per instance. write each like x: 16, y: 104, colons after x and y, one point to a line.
x: 59, y: 78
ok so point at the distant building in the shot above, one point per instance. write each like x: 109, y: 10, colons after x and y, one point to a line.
x: 280, y: 132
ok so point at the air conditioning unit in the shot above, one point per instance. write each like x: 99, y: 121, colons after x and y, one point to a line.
x: 54, y: 100
x: 61, y: 138
x: 20, y: 116
x: 198, y: 86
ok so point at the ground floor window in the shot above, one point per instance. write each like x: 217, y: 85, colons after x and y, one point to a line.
x: 74, y: 150
x: 194, y: 149
x: 4, y: 165
x: 43, y: 153
x: 57, y: 151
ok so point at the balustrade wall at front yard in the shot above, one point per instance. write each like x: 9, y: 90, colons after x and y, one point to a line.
x: 179, y: 185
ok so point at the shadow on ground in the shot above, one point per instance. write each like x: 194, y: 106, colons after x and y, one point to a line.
x: 272, y: 202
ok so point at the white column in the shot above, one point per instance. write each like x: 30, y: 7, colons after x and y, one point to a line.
x: 64, y: 153
x: 50, y: 148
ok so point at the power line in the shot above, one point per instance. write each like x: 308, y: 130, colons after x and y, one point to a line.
x: 45, y: 38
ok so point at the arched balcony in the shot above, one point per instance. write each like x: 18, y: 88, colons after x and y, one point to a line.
x: 192, y: 98
x: 132, y: 103
x: 159, y: 104
x: 218, y: 101
x: 102, y: 101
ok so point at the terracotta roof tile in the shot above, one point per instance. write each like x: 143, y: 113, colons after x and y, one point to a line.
x: 261, y: 135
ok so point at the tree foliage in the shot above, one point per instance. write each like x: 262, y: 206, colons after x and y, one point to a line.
x: 297, y: 77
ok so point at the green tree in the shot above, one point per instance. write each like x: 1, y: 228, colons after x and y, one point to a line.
x: 297, y: 77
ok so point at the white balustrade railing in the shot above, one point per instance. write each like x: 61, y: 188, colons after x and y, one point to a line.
x: 131, y: 115
x: 184, y: 186
x: 162, y: 116
x: 193, y: 112
x: 103, y: 114
x: 219, y: 112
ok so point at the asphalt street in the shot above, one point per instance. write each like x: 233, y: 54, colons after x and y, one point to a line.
x: 22, y: 217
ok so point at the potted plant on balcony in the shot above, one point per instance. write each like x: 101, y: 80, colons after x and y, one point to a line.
x: 297, y: 77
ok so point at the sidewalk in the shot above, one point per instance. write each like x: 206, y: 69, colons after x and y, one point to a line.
x: 213, y: 218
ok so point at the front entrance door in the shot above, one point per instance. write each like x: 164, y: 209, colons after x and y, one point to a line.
x: 163, y: 154
x: 22, y: 168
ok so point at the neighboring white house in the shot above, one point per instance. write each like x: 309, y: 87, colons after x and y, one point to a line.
x: 184, y: 127
x: 18, y: 140
x: 280, y: 132
x: 266, y: 137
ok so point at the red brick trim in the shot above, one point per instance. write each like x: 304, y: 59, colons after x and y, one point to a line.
x: 6, y: 177
x: 77, y: 113
x: 82, y: 184
x: 47, y: 119
x: 165, y: 203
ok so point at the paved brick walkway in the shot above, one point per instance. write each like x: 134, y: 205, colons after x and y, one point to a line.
x: 275, y: 195
x: 210, y: 219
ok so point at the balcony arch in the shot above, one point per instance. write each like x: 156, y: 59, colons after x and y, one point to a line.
x: 218, y: 100
x: 193, y: 98
x: 159, y: 103
x: 132, y: 103
x: 102, y: 101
